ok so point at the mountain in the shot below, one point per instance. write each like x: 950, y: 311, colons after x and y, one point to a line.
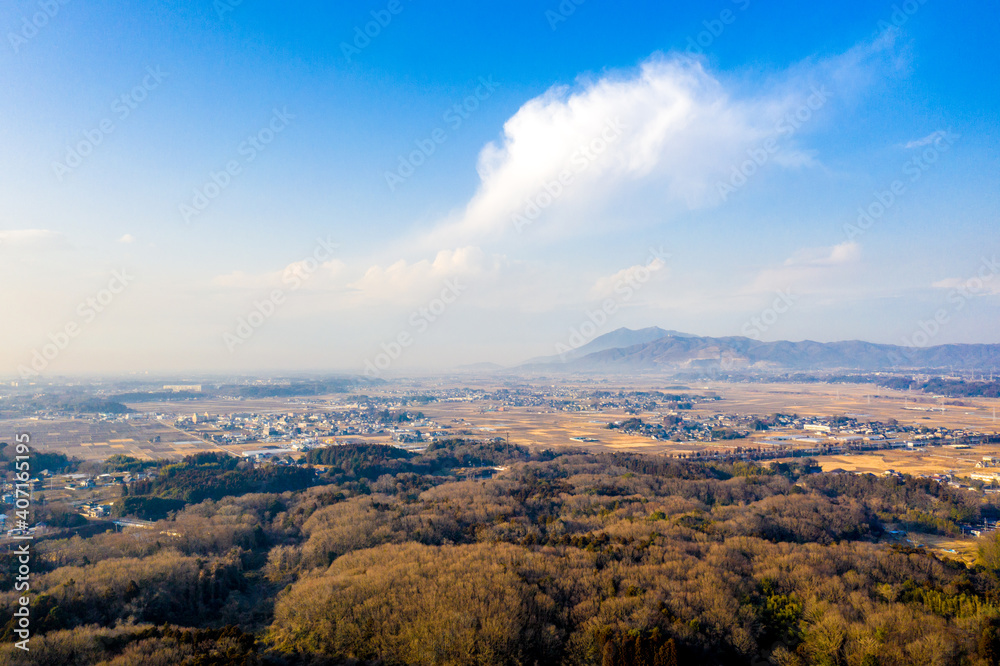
x: 485, y: 366
x: 616, y: 339
x: 655, y: 349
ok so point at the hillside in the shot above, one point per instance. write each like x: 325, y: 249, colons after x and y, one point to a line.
x: 483, y: 553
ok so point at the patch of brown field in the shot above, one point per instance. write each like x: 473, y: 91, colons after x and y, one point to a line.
x: 927, y: 461
x: 956, y: 548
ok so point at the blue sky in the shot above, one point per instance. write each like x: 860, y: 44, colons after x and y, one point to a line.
x: 654, y: 224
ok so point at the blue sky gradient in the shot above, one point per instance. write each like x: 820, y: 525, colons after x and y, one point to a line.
x: 901, y: 81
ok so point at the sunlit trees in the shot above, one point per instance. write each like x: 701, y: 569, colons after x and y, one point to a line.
x: 577, y: 559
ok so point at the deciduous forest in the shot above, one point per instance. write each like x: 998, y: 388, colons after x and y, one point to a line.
x: 484, y: 553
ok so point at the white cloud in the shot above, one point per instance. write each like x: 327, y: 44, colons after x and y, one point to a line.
x: 636, y: 149
x: 634, y: 276
x: 305, y: 272
x: 405, y: 282
x: 983, y: 286
x: 809, y: 269
x: 127, y: 239
x: 670, y: 121
x: 669, y: 128
x: 848, y: 252
x: 31, y: 239
x: 930, y: 138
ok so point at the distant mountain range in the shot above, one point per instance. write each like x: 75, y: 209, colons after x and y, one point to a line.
x: 657, y: 350
x: 617, y: 339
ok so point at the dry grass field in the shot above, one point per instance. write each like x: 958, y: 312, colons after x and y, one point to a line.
x: 97, y: 440
x: 531, y: 427
x: 932, y: 460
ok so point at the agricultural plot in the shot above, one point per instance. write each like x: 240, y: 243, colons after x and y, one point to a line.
x: 96, y: 440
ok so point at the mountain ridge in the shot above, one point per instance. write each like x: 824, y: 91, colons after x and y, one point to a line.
x: 657, y: 349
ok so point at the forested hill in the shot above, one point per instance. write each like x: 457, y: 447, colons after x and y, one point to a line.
x: 480, y: 553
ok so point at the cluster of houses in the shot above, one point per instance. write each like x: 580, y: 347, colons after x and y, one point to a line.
x: 96, y: 509
x: 833, y: 435
x: 302, y: 431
